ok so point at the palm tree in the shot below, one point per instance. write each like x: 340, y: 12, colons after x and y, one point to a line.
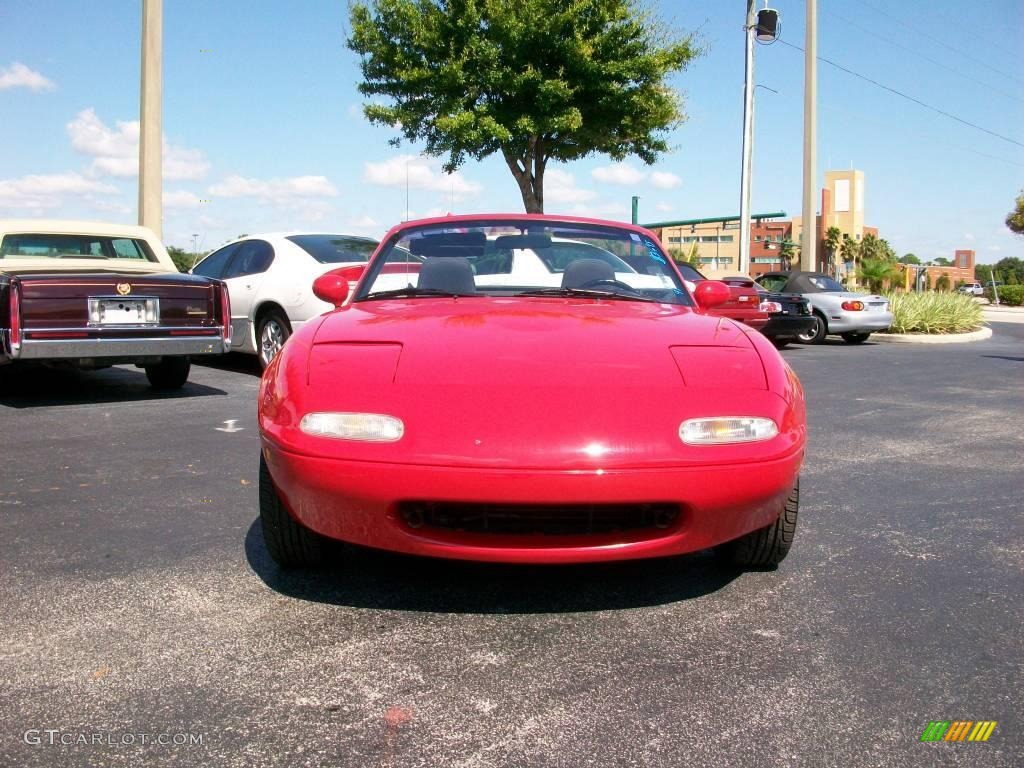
x: 875, y: 272
x: 833, y: 237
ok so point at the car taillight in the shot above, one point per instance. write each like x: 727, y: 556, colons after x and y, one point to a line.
x: 225, y: 308
x: 15, y: 317
x: 771, y: 307
x: 853, y: 306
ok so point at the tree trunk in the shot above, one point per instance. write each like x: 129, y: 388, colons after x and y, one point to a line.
x: 528, y: 171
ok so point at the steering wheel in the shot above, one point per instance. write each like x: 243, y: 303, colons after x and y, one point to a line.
x: 608, y: 282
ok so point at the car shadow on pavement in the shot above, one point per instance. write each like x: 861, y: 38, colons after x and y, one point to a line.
x: 365, y: 578
x: 47, y: 387
x: 235, y: 362
x: 1006, y: 357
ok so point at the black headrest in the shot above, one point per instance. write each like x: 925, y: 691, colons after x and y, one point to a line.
x: 581, y: 272
x: 447, y: 273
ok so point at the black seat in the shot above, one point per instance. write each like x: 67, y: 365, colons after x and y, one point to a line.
x: 447, y: 273
x: 582, y: 272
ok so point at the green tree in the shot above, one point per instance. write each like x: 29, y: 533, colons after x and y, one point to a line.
x: 942, y: 261
x: 833, y: 238
x: 909, y: 258
x: 686, y: 255
x: 942, y: 284
x: 182, y: 259
x: 875, y: 272
x: 983, y: 273
x: 1011, y: 265
x: 1015, y: 218
x: 1011, y: 279
x: 850, y: 250
x: 533, y: 80
x: 787, y: 250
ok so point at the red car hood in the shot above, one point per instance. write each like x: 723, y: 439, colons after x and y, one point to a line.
x: 545, y: 383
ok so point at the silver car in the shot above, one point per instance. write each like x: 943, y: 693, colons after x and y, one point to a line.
x: 854, y: 316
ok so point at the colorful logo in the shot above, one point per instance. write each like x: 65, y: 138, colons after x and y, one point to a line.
x: 124, y: 288
x: 958, y: 730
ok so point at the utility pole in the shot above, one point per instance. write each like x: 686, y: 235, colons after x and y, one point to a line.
x: 748, y: 138
x: 150, y: 130
x: 809, y: 246
x: 636, y: 208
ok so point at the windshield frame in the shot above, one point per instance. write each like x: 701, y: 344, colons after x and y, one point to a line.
x: 618, y: 231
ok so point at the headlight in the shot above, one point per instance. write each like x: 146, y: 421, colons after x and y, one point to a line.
x: 727, y: 429
x: 372, y: 427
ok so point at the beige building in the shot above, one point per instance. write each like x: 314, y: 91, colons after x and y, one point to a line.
x: 717, y: 239
x: 842, y: 206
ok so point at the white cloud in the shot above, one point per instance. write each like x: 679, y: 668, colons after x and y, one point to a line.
x: 969, y: 237
x: 626, y: 175
x: 19, y: 76
x: 116, y: 151
x: 278, y: 191
x: 422, y: 173
x: 180, y: 198
x: 612, y: 211
x: 664, y: 207
x: 44, y: 192
x: 665, y: 180
x: 560, y: 187
x: 618, y: 173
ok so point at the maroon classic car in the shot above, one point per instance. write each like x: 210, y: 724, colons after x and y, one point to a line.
x: 93, y: 295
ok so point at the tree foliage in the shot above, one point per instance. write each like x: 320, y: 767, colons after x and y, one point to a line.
x: 942, y: 261
x: 533, y: 80
x: 876, y: 272
x: 1011, y: 265
x: 1015, y: 218
x: 909, y: 258
x: 942, y: 283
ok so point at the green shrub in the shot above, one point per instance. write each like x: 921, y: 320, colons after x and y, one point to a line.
x: 1009, y: 294
x: 934, y: 313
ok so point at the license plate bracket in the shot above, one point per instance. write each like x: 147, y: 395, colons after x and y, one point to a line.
x: 119, y: 310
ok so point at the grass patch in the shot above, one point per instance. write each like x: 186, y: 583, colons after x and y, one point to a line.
x: 934, y: 313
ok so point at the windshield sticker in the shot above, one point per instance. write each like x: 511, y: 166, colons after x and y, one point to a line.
x: 634, y: 237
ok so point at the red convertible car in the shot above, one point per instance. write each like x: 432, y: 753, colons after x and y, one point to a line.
x: 590, y: 410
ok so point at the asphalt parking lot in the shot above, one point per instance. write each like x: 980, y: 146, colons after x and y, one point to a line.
x: 138, y: 600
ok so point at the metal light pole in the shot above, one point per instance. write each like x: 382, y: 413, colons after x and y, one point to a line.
x: 636, y: 209
x: 748, y: 139
x: 764, y: 26
x: 809, y: 246
x: 150, y: 131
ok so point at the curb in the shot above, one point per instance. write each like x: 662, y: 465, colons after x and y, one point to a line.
x: 937, y: 338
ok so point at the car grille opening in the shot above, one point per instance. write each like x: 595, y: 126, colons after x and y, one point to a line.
x: 546, y: 519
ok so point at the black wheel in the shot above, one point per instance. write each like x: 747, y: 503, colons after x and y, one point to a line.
x: 271, y: 334
x: 855, y: 338
x: 169, y: 373
x: 816, y: 334
x: 290, y: 545
x: 780, y: 343
x: 766, y: 547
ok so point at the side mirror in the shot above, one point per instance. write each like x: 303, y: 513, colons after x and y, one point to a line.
x: 351, y: 273
x: 711, y: 293
x: 331, y: 287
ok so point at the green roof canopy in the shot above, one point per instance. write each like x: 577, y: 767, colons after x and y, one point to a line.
x: 712, y: 220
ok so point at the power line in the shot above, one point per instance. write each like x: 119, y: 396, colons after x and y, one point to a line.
x: 920, y: 55
x: 907, y: 97
x: 919, y: 31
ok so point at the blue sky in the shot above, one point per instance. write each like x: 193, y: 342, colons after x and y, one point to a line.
x: 263, y: 130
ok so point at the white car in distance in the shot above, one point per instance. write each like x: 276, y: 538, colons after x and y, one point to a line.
x: 270, y: 279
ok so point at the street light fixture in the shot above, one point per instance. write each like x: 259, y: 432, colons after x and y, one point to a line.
x: 762, y: 26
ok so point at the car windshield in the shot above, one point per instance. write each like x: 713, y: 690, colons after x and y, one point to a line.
x: 335, y: 249
x: 523, y: 258
x: 60, y: 246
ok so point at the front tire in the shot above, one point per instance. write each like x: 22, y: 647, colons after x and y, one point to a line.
x: 855, y: 338
x: 272, y: 332
x: 768, y: 546
x: 289, y: 544
x: 815, y: 335
x: 170, y: 373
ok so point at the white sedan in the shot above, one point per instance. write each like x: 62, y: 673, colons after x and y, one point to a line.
x: 270, y: 278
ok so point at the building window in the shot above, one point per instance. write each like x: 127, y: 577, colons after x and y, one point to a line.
x: 757, y: 237
x: 725, y: 239
x: 674, y: 239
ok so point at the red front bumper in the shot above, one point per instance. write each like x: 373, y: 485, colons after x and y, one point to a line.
x: 358, y: 502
